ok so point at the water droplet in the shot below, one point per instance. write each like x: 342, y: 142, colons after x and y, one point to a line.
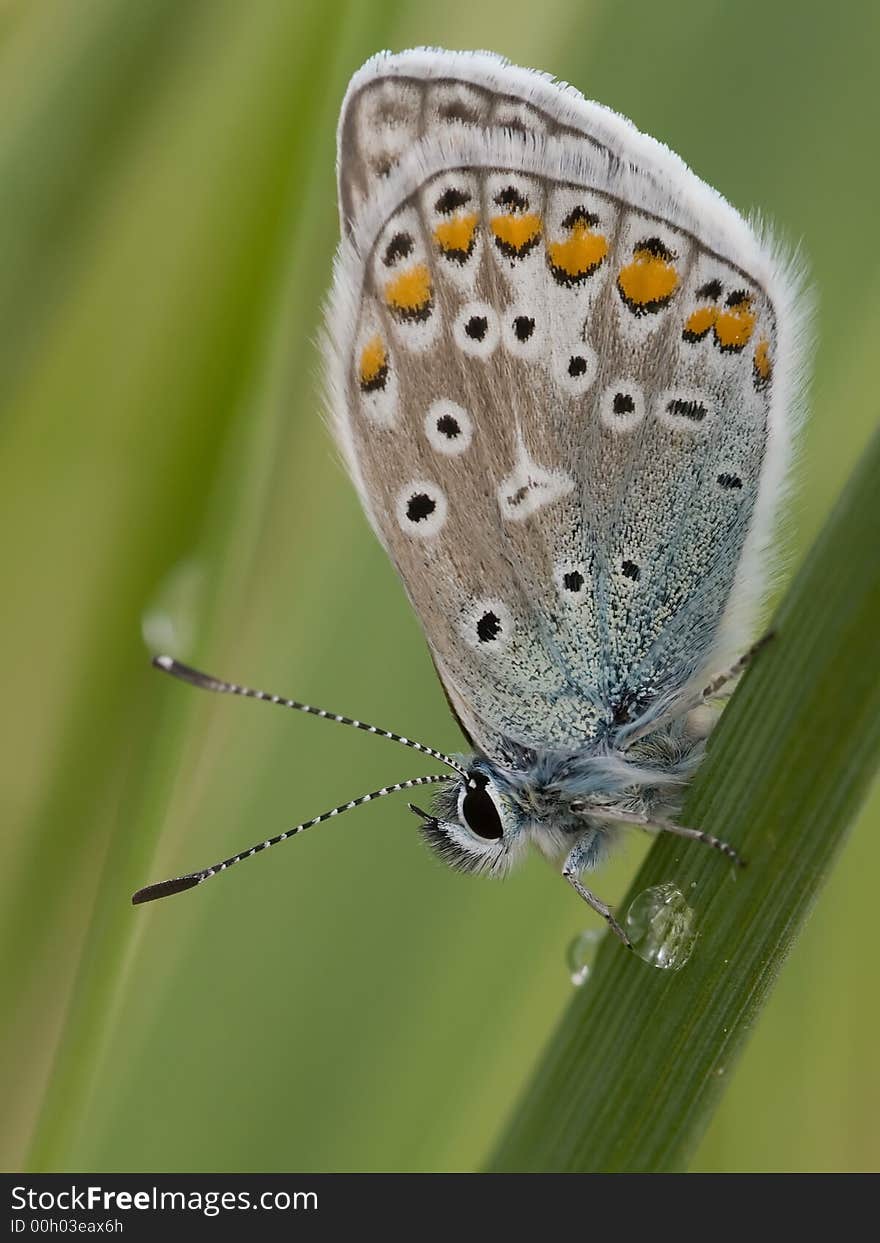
x: 660, y: 925
x: 170, y: 621
x: 580, y: 955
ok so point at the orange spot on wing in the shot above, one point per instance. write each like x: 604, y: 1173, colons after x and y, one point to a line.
x: 373, y: 368
x: 763, y: 366
x: 699, y: 323
x: 735, y: 325
x: 515, y: 235
x: 579, y: 255
x: 409, y: 294
x: 456, y: 237
x: 648, y: 283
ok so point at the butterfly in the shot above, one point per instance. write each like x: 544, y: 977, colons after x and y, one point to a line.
x: 564, y: 375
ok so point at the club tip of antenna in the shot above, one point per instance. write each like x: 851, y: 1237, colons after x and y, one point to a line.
x: 165, y: 888
x: 186, y: 673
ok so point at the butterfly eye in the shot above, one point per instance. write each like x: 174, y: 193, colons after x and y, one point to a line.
x: 478, y: 809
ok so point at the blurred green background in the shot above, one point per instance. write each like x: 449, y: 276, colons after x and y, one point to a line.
x: 167, y: 221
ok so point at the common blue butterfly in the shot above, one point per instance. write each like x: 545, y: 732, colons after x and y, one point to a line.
x: 562, y: 371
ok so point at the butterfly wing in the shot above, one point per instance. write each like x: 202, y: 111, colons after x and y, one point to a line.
x: 560, y: 368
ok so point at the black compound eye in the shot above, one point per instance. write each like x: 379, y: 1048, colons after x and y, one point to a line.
x: 478, y: 809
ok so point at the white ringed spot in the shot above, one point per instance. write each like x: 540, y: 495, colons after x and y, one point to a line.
x: 476, y: 331
x: 622, y: 406
x: 449, y: 427
x: 530, y: 486
x: 684, y: 410
x: 488, y: 625
x: 421, y: 508
x: 575, y: 368
x: 571, y: 580
x: 522, y: 331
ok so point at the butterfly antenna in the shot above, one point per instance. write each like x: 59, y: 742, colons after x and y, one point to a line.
x: 207, y: 683
x: 164, y: 888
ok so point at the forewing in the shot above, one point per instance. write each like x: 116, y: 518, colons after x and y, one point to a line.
x: 555, y: 367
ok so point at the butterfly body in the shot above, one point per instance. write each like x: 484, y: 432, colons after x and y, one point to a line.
x: 555, y: 799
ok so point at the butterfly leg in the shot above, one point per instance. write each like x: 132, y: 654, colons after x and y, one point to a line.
x: 712, y: 688
x: 669, y: 826
x: 583, y: 855
x: 696, y: 835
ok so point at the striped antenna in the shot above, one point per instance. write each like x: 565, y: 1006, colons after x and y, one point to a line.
x: 164, y: 888
x: 206, y: 683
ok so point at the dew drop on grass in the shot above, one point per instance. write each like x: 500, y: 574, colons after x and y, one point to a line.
x: 171, y: 620
x: 580, y: 954
x: 660, y: 925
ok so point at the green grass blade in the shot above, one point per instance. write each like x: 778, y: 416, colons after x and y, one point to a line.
x: 240, y: 105
x: 640, y: 1059
x: 71, y: 106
